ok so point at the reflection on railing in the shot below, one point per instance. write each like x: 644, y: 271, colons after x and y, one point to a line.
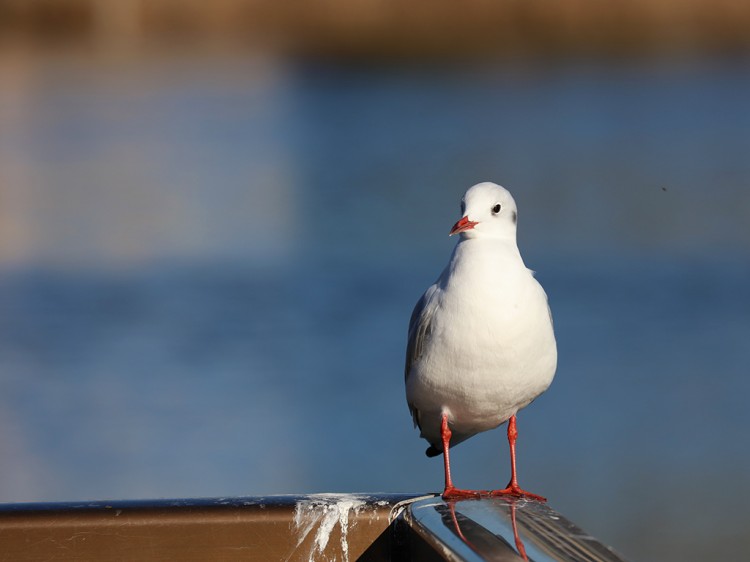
x: 503, y: 529
x: 519, y: 542
x: 480, y: 540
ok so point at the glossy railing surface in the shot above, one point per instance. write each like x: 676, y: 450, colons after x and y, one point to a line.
x: 344, y: 527
x: 503, y: 529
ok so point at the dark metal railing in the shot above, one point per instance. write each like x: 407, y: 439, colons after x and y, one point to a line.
x: 311, y: 527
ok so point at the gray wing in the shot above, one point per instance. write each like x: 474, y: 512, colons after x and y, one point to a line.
x: 420, y: 328
x: 549, y: 310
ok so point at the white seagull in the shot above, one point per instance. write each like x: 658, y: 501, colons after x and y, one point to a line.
x: 481, y: 343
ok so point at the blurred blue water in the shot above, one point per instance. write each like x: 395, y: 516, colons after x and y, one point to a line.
x: 209, y: 266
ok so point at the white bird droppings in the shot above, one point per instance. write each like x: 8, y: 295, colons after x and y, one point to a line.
x: 325, y: 511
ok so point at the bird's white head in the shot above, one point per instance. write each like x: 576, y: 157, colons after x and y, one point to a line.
x: 488, y: 210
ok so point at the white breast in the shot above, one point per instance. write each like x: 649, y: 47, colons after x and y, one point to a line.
x: 492, y: 348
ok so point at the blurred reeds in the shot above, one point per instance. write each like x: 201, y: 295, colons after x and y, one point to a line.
x: 388, y: 28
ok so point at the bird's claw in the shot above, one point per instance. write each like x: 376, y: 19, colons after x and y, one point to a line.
x: 517, y: 492
x: 452, y: 493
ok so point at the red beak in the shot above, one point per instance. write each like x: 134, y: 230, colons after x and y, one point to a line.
x: 462, y: 226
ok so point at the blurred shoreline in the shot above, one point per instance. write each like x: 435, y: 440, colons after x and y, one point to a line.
x: 385, y: 29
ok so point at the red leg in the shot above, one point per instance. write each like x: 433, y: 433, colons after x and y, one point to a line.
x: 451, y: 492
x: 513, y: 489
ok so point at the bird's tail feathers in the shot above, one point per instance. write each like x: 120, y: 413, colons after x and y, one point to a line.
x: 433, y: 451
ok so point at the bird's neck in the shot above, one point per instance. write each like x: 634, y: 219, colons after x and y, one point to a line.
x: 489, y: 260
x: 491, y: 250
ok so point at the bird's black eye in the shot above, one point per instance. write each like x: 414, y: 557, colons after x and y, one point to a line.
x: 463, y: 208
x: 496, y: 209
